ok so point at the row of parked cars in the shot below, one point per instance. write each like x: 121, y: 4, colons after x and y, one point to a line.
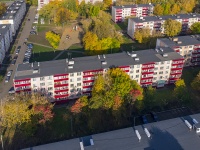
x: 153, y: 115
x: 28, y: 53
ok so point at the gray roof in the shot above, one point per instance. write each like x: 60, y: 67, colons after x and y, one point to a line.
x: 160, y: 18
x: 12, y: 10
x: 92, y: 63
x: 132, y: 6
x: 170, y: 134
x: 3, y: 30
x: 185, y: 40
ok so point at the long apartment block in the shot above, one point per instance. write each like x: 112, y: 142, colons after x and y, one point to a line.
x: 5, y: 40
x: 70, y: 78
x: 186, y: 46
x: 14, y: 15
x: 156, y: 22
x: 120, y: 13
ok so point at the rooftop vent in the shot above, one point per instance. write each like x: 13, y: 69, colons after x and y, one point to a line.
x: 137, y: 59
x: 160, y: 18
x: 177, y: 16
x: 133, y: 55
x: 165, y: 55
x: 71, y: 62
x: 35, y: 71
x: 70, y: 67
x: 104, y: 56
x: 38, y: 64
x: 193, y: 15
x: 4, y: 27
x: 141, y: 18
x: 179, y: 42
x: 0, y: 34
x: 128, y: 53
x: 175, y: 39
x: 161, y: 50
x: 103, y: 62
x: 99, y: 57
x: 66, y: 60
x: 156, y: 50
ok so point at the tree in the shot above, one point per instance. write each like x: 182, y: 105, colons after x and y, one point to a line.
x: 3, y: 8
x: 90, y: 41
x: 107, y: 3
x: 158, y: 10
x: 94, y: 11
x: 167, y: 9
x: 53, y: 39
x: 142, y: 35
x: 15, y: 111
x: 62, y: 16
x: 188, y: 5
x: 172, y: 27
x: 79, y: 104
x: 149, y: 97
x: 196, y: 82
x: 195, y: 27
x: 175, y: 9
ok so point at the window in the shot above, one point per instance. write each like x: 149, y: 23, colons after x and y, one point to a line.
x: 42, y: 79
x: 161, y: 77
x: 49, y: 78
x: 49, y: 83
x: 162, y: 62
x: 71, y: 74
x: 137, y: 76
x: 161, y: 68
x: 156, y: 68
x: 50, y: 88
x: 78, y: 89
x: 34, y: 85
x: 131, y: 71
x: 167, y: 67
x: 34, y: 79
x: 155, y: 78
x: 78, y: 84
x: 138, y: 66
x: 137, y: 71
x: 42, y: 84
x: 168, y: 62
x: 71, y: 85
x: 155, y: 73
x: 78, y: 73
x: 49, y: 93
x: 166, y: 72
x: 78, y: 79
x: 161, y: 72
x: 71, y: 80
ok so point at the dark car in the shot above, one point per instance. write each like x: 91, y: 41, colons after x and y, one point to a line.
x: 28, y: 19
x: 11, y: 91
x: 154, y: 115
x: 7, y: 79
x: 15, y: 57
x: 19, y: 47
x: 13, y: 62
x: 33, y: 32
x: 144, y: 119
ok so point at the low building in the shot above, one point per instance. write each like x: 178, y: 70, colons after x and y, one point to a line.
x: 170, y: 134
x: 14, y: 15
x: 70, y: 78
x: 5, y: 40
x: 156, y: 22
x: 186, y: 46
x: 120, y: 13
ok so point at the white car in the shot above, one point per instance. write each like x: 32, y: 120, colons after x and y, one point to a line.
x: 9, y: 73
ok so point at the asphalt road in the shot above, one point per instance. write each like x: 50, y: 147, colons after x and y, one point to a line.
x: 4, y: 87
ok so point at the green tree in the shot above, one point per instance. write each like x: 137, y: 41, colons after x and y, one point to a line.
x: 167, y: 9
x: 94, y: 11
x: 172, y: 27
x: 149, y: 97
x: 142, y: 35
x: 195, y: 28
x: 53, y: 39
x: 3, y: 8
x: 196, y: 82
x: 158, y: 10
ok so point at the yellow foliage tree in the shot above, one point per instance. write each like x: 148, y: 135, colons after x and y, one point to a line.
x: 54, y: 39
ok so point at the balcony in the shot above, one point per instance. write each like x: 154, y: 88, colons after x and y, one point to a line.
x: 60, y: 85
x: 63, y: 79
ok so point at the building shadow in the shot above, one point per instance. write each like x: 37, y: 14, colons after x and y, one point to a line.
x: 162, y: 140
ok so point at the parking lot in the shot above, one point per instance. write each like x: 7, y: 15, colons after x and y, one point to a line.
x: 163, y: 115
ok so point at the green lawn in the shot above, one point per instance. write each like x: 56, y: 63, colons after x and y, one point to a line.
x: 120, y: 26
x: 78, y: 52
x: 41, y: 53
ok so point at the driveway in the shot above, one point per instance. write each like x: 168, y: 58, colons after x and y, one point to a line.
x: 4, y: 87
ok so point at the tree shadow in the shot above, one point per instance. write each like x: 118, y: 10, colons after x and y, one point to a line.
x: 162, y: 140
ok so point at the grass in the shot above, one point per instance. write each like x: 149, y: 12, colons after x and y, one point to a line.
x: 41, y: 53
x: 75, y: 47
x: 13, y: 49
x: 120, y: 26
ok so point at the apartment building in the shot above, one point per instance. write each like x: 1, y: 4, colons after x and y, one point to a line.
x: 5, y: 40
x: 120, y: 13
x: 14, y: 15
x: 186, y: 46
x: 70, y: 78
x: 41, y: 3
x: 156, y: 22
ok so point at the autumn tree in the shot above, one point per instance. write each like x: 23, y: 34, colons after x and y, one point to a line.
x: 111, y: 90
x: 94, y: 11
x: 188, y: 5
x: 172, y: 27
x: 3, y: 8
x: 196, y: 82
x: 91, y: 41
x: 107, y: 3
x: 158, y: 10
x: 175, y: 9
x: 167, y: 9
x: 62, y: 16
x: 142, y: 35
x: 79, y: 104
x: 53, y: 39
x: 195, y: 28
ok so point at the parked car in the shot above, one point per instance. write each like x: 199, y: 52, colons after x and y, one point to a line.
x: 17, y: 51
x: 7, y: 79
x: 34, y: 27
x: 154, y: 115
x: 29, y: 46
x: 11, y: 91
x: 67, y: 37
x: 25, y: 61
x: 15, y: 57
x: 33, y: 32
x: 19, y: 47
x: 13, y: 62
x: 9, y: 73
x: 144, y: 119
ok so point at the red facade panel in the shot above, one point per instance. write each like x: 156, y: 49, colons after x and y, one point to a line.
x: 20, y: 85
x: 60, y: 85
x: 64, y: 79
x: 22, y: 80
x: 57, y: 75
